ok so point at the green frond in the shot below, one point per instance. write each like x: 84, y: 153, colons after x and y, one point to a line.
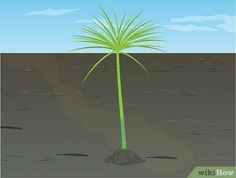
x: 90, y: 47
x: 120, y: 27
x: 136, y: 27
x: 96, y: 34
x: 106, y: 17
x: 103, y: 27
x: 142, y: 40
x: 127, y: 25
x: 128, y: 32
x: 95, y: 65
x: 141, y: 33
x: 135, y: 60
x: 145, y: 46
x: 117, y: 22
x: 93, y: 40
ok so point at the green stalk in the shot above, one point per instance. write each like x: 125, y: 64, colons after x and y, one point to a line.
x: 120, y: 101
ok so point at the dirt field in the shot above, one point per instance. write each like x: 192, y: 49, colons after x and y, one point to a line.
x: 178, y: 116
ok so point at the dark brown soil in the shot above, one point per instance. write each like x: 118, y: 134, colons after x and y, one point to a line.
x: 184, y: 108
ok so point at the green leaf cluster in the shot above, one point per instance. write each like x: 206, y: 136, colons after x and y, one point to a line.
x: 128, y: 32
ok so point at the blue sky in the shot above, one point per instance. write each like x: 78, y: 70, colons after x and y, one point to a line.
x: 48, y: 26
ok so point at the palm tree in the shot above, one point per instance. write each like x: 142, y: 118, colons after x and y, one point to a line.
x: 124, y: 34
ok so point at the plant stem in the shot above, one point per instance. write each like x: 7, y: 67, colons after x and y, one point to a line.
x: 120, y: 101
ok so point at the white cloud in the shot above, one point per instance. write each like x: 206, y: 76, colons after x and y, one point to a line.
x: 226, y: 22
x: 51, y: 12
x: 188, y: 28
